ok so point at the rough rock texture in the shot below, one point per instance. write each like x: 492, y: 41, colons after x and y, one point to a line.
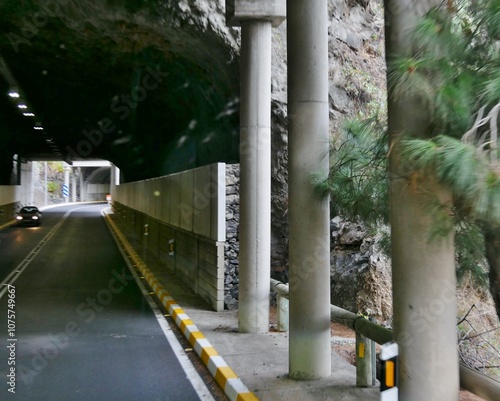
x: 160, y: 79
x: 232, y: 246
x: 360, y: 271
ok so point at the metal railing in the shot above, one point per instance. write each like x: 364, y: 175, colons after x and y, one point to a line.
x: 471, y: 380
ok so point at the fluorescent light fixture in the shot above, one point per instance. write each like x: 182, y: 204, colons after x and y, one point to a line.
x: 28, y: 115
x: 14, y: 94
x: 38, y: 128
x: 22, y: 106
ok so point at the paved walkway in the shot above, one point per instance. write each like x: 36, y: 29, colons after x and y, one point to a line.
x: 260, y: 361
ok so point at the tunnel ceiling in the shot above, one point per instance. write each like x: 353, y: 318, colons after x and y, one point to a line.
x: 150, y: 85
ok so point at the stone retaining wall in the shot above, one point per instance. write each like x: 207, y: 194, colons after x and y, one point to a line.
x: 232, y: 245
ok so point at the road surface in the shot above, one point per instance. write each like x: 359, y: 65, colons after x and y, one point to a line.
x: 74, y: 323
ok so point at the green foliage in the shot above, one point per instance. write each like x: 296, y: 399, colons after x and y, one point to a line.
x: 455, y: 73
x: 357, y: 180
x: 53, y: 186
x: 456, y: 66
x: 458, y: 61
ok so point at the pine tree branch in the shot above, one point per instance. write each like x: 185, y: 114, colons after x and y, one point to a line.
x: 479, y: 334
x: 467, y: 314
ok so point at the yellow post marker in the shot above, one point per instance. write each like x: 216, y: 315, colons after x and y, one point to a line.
x: 361, y: 350
x: 389, y: 374
x: 364, y: 362
x: 389, y: 365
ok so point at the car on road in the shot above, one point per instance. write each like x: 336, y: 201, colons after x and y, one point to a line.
x: 29, y: 215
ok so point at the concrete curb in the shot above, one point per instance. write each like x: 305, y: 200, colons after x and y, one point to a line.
x: 7, y: 224
x: 225, y: 377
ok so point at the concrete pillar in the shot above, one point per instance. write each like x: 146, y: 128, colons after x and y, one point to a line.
x: 73, y: 185
x: 46, y: 200
x: 27, y: 183
x: 255, y: 177
x: 115, y: 179
x: 66, y: 180
x: 83, y: 188
x: 423, y: 258
x: 256, y: 20
x: 309, y: 239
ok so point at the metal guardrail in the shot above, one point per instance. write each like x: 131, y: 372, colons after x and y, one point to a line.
x: 470, y: 380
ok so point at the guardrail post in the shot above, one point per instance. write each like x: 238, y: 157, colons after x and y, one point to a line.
x: 374, y: 357
x: 282, y: 313
x: 364, y: 361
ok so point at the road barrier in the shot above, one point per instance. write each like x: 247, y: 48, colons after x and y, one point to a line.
x: 470, y: 380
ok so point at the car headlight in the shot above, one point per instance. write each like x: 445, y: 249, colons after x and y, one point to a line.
x: 19, y: 217
x: 35, y: 217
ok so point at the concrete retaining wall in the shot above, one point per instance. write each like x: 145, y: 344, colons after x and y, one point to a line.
x: 96, y: 192
x: 188, y: 208
x: 10, y: 201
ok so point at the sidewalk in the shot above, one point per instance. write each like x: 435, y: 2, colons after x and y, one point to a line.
x: 259, y: 360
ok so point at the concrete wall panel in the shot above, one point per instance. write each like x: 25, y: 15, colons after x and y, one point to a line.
x: 186, y: 204
x: 153, y: 237
x: 186, y: 259
x: 142, y: 197
x: 202, y: 194
x: 165, y: 199
x: 218, y: 202
x: 211, y: 273
x: 9, y: 194
x: 175, y: 199
x: 98, y: 189
x: 166, y: 233
x: 185, y: 207
x: 156, y: 198
x: 193, y: 200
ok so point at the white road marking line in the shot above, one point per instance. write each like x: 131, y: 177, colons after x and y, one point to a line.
x: 191, y: 373
x: 19, y: 269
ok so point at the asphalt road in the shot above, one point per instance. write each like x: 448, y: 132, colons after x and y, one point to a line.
x: 79, y: 326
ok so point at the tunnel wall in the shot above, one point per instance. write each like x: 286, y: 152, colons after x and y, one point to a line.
x: 10, y: 201
x: 187, y: 208
x: 97, y: 192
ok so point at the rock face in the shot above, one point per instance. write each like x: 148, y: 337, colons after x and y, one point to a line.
x: 232, y: 246
x: 158, y: 79
x: 360, y: 271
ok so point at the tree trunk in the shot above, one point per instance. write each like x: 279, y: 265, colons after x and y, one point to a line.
x: 492, y: 245
x: 423, y: 266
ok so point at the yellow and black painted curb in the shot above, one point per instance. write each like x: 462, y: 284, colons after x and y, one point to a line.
x: 225, y: 377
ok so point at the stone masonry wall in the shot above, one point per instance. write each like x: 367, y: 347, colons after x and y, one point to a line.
x: 232, y: 245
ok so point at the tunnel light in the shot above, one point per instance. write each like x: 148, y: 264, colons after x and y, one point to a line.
x: 38, y: 128
x: 22, y: 106
x: 14, y: 94
x: 28, y: 115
